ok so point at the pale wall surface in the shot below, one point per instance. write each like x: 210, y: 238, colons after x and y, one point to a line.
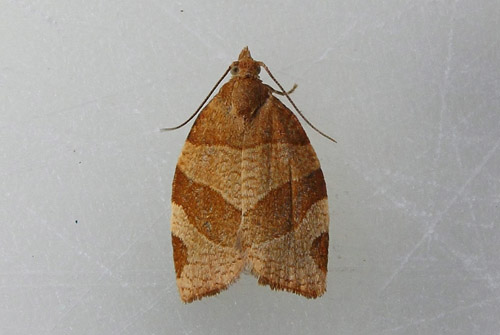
x: 410, y: 89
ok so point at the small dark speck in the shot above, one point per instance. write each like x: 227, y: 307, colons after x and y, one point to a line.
x: 80, y: 162
x: 182, y: 10
x: 76, y: 221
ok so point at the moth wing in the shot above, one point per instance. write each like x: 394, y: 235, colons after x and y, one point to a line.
x: 206, y: 204
x: 284, y: 200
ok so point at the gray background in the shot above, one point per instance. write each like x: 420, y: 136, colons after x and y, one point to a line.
x: 410, y: 89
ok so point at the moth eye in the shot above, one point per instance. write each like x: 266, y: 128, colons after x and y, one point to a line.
x: 258, y: 70
x: 234, y: 70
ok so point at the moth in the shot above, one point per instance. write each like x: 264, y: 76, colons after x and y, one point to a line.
x: 248, y: 193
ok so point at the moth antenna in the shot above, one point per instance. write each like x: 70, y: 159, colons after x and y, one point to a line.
x: 199, y: 108
x: 293, y: 104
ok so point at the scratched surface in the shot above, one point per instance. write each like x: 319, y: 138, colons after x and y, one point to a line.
x: 410, y: 90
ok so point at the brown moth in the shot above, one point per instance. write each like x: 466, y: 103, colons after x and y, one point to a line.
x: 248, y: 194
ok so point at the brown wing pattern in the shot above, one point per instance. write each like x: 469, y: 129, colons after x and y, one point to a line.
x: 284, y: 200
x: 206, y: 209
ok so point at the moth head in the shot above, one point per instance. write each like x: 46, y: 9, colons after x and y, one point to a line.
x: 245, y: 66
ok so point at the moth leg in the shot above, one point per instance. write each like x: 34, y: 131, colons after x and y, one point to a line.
x: 284, y: 93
